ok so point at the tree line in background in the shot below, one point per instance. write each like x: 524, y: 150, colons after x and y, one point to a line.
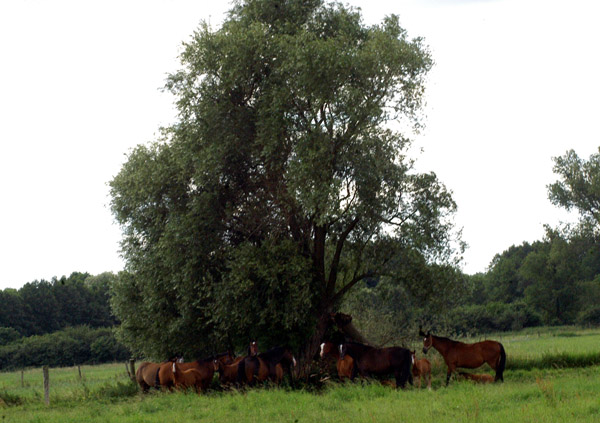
x: 61, y: 322
x: 553, y: 281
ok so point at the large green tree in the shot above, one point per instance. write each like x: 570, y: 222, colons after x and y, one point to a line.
x: 284, y: 183
x: 578, y: 187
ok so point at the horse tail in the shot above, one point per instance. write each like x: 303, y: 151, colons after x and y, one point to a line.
x: 157, y: 379
x: 501, y: 364
x: 405, y: 373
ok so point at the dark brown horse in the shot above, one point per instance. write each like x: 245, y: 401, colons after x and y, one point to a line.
x: 228, y: 372
x: 147, y: 375
x: 272, y: 364
x: 468, y: 356
x: 379, y: 361
x: 344, y: 366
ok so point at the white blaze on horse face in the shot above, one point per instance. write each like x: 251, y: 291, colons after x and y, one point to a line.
x: 294, y: 361
x: 322, y: 348
x: 341, y: 348
x: 412, y: 359
x: 174, y: 371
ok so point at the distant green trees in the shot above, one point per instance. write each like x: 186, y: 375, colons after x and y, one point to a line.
x: 42, y: 307
x: 61, y: 322
x: 67, y: 347
x: 554, y: 281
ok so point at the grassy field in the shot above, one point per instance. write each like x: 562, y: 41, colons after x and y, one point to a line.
x: 550, y: 394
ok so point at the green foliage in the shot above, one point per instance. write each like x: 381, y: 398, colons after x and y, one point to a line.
x: 490, y: 317
x: 579, y: 186
x: 280, y: 187
x: 80, y: 345
x: 589, y: 316
x: 41, y: 307
x: 8, y: 335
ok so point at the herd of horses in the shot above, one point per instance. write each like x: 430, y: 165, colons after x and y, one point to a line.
x: 351, y: 358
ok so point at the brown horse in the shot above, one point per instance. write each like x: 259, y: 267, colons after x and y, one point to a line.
x: 379, y: 361
x: 272, y: 364
x: 228, y: 372
x: 469, y: 356
x: 344, y: 366
x: 421, y: 368
x: 147, y: 375
x: 483, y: 378
x: 198, y: 377
x: 166, y: 375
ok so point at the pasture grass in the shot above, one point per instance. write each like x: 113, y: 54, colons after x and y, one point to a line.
x: 548, y: 396
x: 544, y: 386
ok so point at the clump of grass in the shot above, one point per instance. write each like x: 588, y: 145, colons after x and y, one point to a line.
x: 120, y: 390
x: 561, y: 360
x: 8, y: 399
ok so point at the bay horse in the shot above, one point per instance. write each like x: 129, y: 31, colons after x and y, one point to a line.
x: 421, y: 368
x: 228, y: 372
x: 344, y: 366
x: 468, y: 356
x: 199, y: 377
x: 166, y: 377
x: 379, y: 361
x: 272, y: 364
x: 147, y: 375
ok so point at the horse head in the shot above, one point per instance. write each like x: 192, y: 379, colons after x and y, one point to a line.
x: 427, y: 340
x: 343, y: 348
x: 253, y: 349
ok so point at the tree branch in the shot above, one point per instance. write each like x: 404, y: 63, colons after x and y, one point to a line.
x: 333, y: 271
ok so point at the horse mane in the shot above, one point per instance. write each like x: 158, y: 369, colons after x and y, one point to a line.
x: 274, y: 354
x: 442, y: 338
x: 354, y: 349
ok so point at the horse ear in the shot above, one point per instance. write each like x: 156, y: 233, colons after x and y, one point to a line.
x: 421, y: 333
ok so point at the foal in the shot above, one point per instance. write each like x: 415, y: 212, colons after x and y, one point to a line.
x: 421, y: 368
x: 477, y: 378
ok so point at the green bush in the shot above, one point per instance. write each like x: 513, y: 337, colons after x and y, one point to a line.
x: 589, y: 317
x: 8, y: 335
x: 491, y: 317
x: 72, y: 346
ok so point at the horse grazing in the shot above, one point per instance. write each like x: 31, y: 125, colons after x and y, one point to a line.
x: 147, y: 375
x: 483, y: 378
x: 344, y: 366
x: 421, y: 368
x: 272, y: 364
x: 379, y: 361
x: 198, y: 377
x: 469, y: 356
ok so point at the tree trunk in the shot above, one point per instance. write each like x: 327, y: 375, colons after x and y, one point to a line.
x: 313, y: 344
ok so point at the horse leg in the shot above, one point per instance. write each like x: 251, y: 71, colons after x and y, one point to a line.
x: 448, y: 374
x: 420, y: 380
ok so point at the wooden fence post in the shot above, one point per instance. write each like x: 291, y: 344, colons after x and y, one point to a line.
x: 132, y: 368
x: 46, y: 385
x: 79, y: 369
x: 22, y: 379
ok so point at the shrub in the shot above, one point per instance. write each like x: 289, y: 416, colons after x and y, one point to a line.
x: 589, y: 316
x: 80, y: 345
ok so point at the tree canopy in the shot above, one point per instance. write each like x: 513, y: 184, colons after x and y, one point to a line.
x: 282, y: 185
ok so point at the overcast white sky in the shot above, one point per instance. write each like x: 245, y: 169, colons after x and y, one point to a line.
x: 516, y: 82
